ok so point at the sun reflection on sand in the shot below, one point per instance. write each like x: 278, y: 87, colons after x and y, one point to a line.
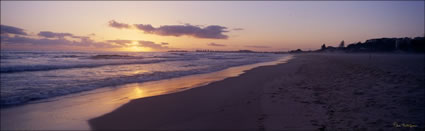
x: 138, y: 91
x: 147, y: 89
x: 63, y: 113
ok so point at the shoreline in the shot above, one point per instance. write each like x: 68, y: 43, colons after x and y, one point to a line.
x: 313, y: 91
x: 72, y: 111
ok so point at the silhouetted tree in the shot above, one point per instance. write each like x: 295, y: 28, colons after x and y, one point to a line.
x: 388, y: 45
x: 296, y: 51
x: 341, y: 45
x: 323, y: 47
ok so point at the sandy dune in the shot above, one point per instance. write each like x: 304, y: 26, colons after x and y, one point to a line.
x: 310, y: 92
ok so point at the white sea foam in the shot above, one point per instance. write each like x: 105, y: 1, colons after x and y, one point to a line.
x: 28, y: 76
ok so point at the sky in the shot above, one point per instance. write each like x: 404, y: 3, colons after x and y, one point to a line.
x: 216, y: 25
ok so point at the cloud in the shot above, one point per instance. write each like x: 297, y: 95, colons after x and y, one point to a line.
x: 34, y: 41
x: 12, y: 30
x: 152, y: 45
x: 46, y: 40
x: 197, y: 31
x: 214, y: 44
x: 49, y: 34
x: 118, y: 25
x: 256, y: 46
x: 53, y: 40
x: 146, y: 28
x: 210, y: 32
x: 238, y: 29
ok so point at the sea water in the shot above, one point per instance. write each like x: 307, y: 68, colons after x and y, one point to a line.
x: 33, y: 75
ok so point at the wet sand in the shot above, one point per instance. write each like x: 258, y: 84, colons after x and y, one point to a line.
x: 71, y: 112
x: 310, y: 92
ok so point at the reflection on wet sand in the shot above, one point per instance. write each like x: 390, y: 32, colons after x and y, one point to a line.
x: 65, y: 113
x: 155, y: 88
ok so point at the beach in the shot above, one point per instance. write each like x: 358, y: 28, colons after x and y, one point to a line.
x: 72, y: 111
x: 212, y: 65
x: 310, y: 92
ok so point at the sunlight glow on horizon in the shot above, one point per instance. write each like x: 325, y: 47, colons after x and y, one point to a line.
x: 135, y: 48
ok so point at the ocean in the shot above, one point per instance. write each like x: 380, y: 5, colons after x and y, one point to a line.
x: 34, y: 75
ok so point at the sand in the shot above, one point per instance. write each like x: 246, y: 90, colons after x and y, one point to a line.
x: 310, y: 92
x: 71, y: 112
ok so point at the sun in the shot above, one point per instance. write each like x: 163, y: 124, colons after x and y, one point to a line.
x: 135, y: 47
